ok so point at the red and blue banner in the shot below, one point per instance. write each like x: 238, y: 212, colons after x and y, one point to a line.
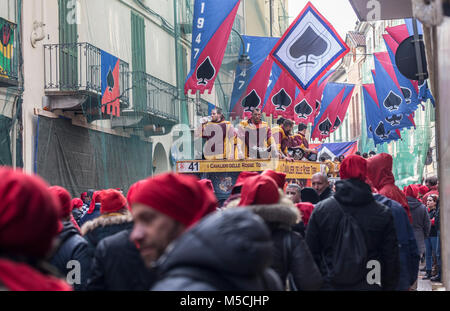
x: 404, y: 85
x: 309, y: 48
x: 280, y: 101
x: 391, y: 100
x: 333, y: 95
x: 376, y: 125
x: 212, y: 24
x: 257, y: 48
x: 398, y: 34
x: 343, y: 107
x: 110, y: 84
x: 308, y: 103
x: 253, y: 97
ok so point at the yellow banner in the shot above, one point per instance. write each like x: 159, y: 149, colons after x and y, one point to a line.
x: 293, y: 170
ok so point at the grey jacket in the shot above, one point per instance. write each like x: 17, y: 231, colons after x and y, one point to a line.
x: 421, y: 222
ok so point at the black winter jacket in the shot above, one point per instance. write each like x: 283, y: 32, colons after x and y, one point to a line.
x: 104, y: 226
x: 290, y: 253
x: 375, y: 221
x: 118, y: 266
x: 327, y: 193
x: 73, y: 247
x: 227, y: 251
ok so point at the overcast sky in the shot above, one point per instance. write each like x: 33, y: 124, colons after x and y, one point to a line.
x: 338, y: 12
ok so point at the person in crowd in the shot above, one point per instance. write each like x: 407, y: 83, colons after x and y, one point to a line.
x: 83, y: 197
x: 408, y: 250
x: 290, y: 254
x: 437, y: 224
x: 321, y: 184
x: 221, y: 147
x: 423, y: 190
x: 237, y: 257
x: 248, y: 138
x: 71, y: 245
x: 233, y: 259
x: 77, y: 205
x: 431, y: 241
x: 282, y: 139
x: 433, y: 188
x: 278, y: 177
x: 328, y: 165
x: 372, y: 154
x: 365, y: 155
x: 236, y: 191
x: 308, y: 197
x: 26, y: 242
x: 115, y: 217
x: 277, y: 131
x: 336, y: 166
x: 299, y: 140
x: 117, y: 263
x: 293, y: 193
x: 93, y: 210
x: 420, y: 219
x: 358, y: 153
x: 379, y: 173
x: 118, y: 266
x: 375, y: 223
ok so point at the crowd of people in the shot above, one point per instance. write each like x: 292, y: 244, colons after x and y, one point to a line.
x: 170, y: 234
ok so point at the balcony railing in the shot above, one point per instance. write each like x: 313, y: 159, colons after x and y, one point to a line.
x: 77, y: 67
x: 8, y: 53
x: 155, y: 97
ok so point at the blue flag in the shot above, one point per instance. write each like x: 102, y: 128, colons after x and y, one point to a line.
x: 257, y: 48
x: 391, y: 100
x: 376, y: 125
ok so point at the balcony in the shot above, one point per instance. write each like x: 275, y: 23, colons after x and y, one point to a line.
x: 8, y: 54
x: 73, y: 77
x: 155, y: 105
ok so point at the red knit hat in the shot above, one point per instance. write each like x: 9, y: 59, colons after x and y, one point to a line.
x: 279, y: 178
x: 241, y: 179
x: 353, y: 167
x: 208, y: 183
x: 65, y: 200
x: 412, y: 191
x: 132, y: 192
x: 95, y: 199
x: 77, y: 203
x: 29, y: 214
x: 112, y: 201
x: 259, y: 190
x: 423, y: 189
x: 180, y: 197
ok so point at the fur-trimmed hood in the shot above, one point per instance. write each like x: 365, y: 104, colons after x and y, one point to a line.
x: 107, y: 220
x: 284, y: 212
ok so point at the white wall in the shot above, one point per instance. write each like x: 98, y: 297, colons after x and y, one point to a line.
x: 106, y: 24
x: 160, y: 53
x: 8, y: 10
x: 34, y: 66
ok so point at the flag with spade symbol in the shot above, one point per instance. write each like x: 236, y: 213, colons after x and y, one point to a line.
x: 257, y: 49
x: 333, y: 96
x: 110, y: 84
x: 280, y: 101
x: 376, y: 125
x: 392, y: 102
x: 212, y: 24
x: 309, y: 48
x: 396, y: 35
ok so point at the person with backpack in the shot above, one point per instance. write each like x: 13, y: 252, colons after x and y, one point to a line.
x: 292, y: 260
x: 352, y: 237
